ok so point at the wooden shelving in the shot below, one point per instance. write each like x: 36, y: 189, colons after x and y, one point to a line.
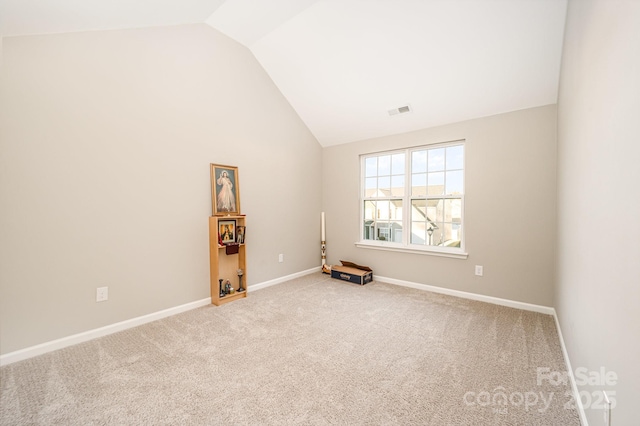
x: 225, y: 266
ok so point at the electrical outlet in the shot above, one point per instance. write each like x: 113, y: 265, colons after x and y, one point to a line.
x: 281, y: 258
x: 479, y: 270
x: 102, y: 294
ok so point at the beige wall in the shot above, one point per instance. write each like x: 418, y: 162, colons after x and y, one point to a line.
x: 509, y: 207
x: 598, y: 283
x: 104, y: 174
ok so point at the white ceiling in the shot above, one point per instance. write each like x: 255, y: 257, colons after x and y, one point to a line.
x: 22, y: 17
x: 342, y: 64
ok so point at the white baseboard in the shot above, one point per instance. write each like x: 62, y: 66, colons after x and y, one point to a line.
x: 472, y: 296
x: 574, y: 386
x: 85, y: 336
x: 511, y: 304
x: 280, y: 280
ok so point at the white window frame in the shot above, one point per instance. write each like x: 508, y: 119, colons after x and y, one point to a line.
x: 406, y: 245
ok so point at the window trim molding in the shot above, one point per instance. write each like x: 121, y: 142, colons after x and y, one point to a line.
x: 406, y: 246
x: 422, y: 250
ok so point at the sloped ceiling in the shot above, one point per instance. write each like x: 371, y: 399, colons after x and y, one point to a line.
x: 343, y: 64
x: 24, y: 17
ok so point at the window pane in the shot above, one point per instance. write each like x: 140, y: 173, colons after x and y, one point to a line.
x: 396, y: 232
x: 396, y: 210
x: 454, y: 183
x: 434, y: 234
x: 383, y: 231
x: 371, y: 166
x: 397, y: 186
x: 456, y: 233
x: 436, y: 183
x: 453, y: 210
x: 383, y: 210
x: 418, y: 210
x: 436, y: 160
x: 384, y: 186
x: 368, y: 231
x: 438, y: 205
x: 432, y: 210
x: 419, y: 161
x: 384, y: 165
x: 397, y: 164
x: 455, y: 157
x: 419, y: 185
x: 370, y: 186
x: 369, y: 210
x: 418, y: 233
x: 451, y: 237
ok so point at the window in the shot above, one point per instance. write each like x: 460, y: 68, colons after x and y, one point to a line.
x: 413, y: 199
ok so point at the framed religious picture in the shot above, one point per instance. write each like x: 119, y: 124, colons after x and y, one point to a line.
x: 227, y: 231
x: 240, y: 233
x: 225, y: 190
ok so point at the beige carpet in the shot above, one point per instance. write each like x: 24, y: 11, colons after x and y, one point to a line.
x: 310, y: 351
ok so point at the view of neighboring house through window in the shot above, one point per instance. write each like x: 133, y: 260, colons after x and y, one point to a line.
x: 414, y: 197
x: 384, y: 194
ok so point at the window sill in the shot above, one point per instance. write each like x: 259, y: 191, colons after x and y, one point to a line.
x: 431, y: 251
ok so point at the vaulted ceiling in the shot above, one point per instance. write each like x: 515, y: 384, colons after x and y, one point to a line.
x: 344, y: 64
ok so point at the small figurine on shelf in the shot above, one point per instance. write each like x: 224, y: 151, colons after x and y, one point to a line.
x: 240, y: 274
x: 222, y: 293
x: 227, y: 287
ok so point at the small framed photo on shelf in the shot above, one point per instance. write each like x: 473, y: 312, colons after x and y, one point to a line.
x: 240, y: 233
x: 227, y: 231
x: 225, y: 190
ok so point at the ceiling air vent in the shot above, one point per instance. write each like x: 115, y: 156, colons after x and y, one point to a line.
x: 400, y: 110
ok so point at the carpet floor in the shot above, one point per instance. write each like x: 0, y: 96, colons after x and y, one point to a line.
x: 311, y: 351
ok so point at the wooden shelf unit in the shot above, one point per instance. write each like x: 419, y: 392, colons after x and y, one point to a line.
x: 225, y: 266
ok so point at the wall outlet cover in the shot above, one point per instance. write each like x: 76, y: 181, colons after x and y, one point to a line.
x: 102, y: 294
x: 479, y: 270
